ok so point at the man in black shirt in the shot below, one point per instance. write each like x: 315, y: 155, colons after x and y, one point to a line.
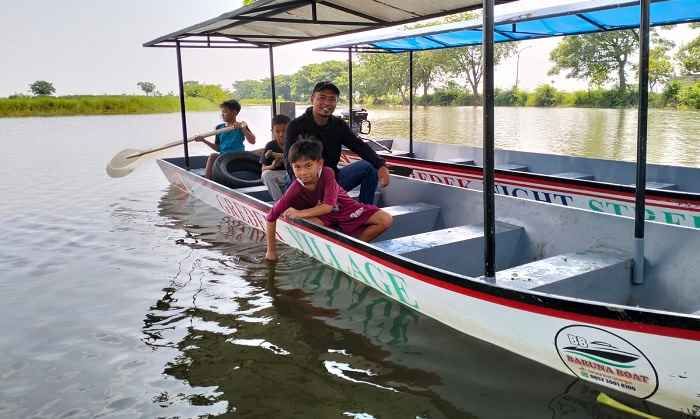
x: 318, y: 122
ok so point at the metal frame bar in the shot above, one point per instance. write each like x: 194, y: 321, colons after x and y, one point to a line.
x: 641, y: 181
x: 183, y: 116
x: 350, y: 11
x: 241, y: 19
x: 350, y: 87
x: 591, y: 21
x: 212, y: 46
x: 285, y: 6
x: 272, y: 82
x: 410, y: 103
x: 488, y: 167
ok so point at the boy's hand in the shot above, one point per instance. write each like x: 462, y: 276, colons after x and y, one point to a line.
x: 292, y: 213
x: 271, y: 255
x: 240, y: 125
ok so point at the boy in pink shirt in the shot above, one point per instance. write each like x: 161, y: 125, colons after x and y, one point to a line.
x: 316, y: 196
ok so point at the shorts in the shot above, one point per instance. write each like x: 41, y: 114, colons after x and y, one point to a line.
x: 348, y: 225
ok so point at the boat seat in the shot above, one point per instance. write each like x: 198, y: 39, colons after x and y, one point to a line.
x: 462, y: 161
x: 517, y: 167
x: 355, y: 194
x: 574, y: 175
x: 410, y: 219
x: 459, y: 249
x: 662, y: 185
x: 257, y: 192
x: 600, y: 275
x: 399, y: 153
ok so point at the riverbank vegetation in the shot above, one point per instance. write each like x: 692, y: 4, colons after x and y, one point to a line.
x: 98, y: 105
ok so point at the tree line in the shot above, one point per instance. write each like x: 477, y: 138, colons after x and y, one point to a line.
x: 605, y: 61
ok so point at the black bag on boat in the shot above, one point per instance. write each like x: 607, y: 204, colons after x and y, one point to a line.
x: 237, y: 170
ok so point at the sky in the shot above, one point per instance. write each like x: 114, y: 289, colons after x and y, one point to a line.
x: 95, y: 47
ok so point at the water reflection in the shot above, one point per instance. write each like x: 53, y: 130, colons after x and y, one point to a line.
x: 298, y: 339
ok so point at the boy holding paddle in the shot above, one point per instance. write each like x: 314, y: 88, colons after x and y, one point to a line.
x: 231, y: 141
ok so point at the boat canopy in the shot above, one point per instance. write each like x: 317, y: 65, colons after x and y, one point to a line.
x: 572, y: 19
x: 267, y: 23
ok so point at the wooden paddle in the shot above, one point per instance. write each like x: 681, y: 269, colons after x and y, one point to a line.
x: 126, y: 160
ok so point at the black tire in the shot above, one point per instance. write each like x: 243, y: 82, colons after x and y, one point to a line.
x: 237, y: 170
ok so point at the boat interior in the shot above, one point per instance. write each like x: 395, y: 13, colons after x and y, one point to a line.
x: 539, y: 247
x: 660, y: 177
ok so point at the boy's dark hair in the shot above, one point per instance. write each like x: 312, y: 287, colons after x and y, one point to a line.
x: 309, y: 149
x: 280, y: 120
x: 231, y: 105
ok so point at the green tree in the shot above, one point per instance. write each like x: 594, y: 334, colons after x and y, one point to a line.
x: 212, y: 92
x: 660, y: 67
x: 303, y: 81
x: 428, y: 66
x: 251, y: 89
x: 594, y: 57
x: 466, y: 62
x: 147, y: 87
x: 689, y: 57
x: 42, y: 88
x: 545, y: 95
x: 382, y: 75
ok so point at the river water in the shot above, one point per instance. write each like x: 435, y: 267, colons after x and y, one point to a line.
x: 124, y: 298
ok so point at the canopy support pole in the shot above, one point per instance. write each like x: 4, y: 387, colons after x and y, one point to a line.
x: 272, y: 82
x: 350, y: 87
x: 488, y: 166
x: 183, y: 117
x: 640, y: 189
x: 410, y: 103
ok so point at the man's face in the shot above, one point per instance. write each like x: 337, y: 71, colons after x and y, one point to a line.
x: 278, y: 131
x: 324, y: 102
x: 307, y: 170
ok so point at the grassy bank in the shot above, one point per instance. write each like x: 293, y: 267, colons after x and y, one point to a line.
x: 98, y: 105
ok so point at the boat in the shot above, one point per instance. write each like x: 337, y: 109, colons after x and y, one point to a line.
x: 562, y: 295
x: 606, y: 186
x: 574, y: 290
x: 673, y: 192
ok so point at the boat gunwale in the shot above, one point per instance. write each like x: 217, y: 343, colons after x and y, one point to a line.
x: 583, y: 183
x: 636, y: 319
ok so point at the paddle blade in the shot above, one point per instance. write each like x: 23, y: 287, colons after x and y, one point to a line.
x: 120, y: 165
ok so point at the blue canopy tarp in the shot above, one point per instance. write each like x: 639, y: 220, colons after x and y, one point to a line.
x: 573, y: 19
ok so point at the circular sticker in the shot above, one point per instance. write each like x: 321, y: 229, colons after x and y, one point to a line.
x: 604, y: 358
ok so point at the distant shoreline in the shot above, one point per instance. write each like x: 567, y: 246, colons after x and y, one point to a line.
x: 144, y: 105
x: 98, y: 105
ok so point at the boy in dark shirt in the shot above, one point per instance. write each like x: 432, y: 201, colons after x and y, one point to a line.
x: 273, y: 174
x: 318, y: 122
x: 315, y: 196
